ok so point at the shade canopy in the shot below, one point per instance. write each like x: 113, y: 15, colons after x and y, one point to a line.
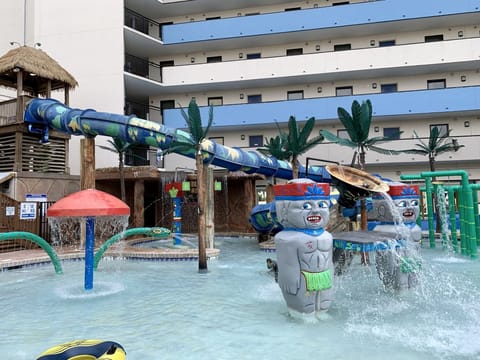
x: 37, y: 67
x: 88, y: 202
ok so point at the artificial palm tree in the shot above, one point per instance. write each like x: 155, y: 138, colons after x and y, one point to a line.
x: 275, y: 146
x: 357, y: 126
x: 437, y: 144
x: 119, y: 147
x: 289, y: 146
x: 194, y: 143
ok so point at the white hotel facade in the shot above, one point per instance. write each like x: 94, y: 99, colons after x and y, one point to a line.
x: 260, y: 62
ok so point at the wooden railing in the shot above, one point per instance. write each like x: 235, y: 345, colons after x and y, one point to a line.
x: 11, y: 111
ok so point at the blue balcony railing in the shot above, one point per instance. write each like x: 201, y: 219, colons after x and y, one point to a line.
x: 399, y: 104
x: 328, y: 17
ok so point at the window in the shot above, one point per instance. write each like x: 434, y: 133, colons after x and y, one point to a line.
x: 136, y: 108
x: 442, y: 129
x: 392, y: 133
x: 341, y: 3
x: 215, y: 101
x: 298, y: 51
x: 252, y: 14
x: 436, y: 84
x: 136, y: 155
x: 166, y: 104
x: 293, y: 8
x: 253, y: 99
x: 295, y: 95
x: 255, y: 140
x: 383, y: 43
x: 254, y: 56
x: 213, y: 18
x: 342, y: 47
x: 388, y: 88
x: 218, y: 139
x: 343, y: 134
x: 214, y: 59
x: 344, y: 91
x: 432, y: 38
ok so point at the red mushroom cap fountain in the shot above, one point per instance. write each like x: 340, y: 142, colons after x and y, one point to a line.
x: 89, y: 203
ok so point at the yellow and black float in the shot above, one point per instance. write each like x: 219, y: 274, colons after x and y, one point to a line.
x: 85, y: 350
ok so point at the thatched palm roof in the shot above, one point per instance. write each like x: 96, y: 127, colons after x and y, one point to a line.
x: 37, y: 68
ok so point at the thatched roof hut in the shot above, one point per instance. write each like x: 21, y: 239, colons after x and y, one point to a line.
x: 31, y: 70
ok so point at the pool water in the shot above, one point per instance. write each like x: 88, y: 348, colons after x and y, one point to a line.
x: 167, y: 310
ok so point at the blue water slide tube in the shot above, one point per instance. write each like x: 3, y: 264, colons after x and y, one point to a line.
x: 44, y: 114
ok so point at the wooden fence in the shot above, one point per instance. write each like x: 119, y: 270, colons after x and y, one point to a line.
x: 10, y: 220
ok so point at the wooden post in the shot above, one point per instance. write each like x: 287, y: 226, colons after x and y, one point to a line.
x: 67, y: 95
x: 87, y: 163
x: 209, y: 211
x: 87, y: 175
x: 49, y: 88
x: 138, y: 203
x: 20, y: 109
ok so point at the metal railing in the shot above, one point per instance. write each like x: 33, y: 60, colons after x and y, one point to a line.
x: 143, y: 24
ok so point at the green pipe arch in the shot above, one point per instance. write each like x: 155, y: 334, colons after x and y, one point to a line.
x: 37, y: 240
x: 154, y: 232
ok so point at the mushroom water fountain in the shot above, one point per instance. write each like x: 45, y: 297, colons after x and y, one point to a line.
x: 89, y: 204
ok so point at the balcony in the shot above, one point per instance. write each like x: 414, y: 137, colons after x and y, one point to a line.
x: 359, y: 18
x: 439, y: 103
x: 313, y: 24
x: 443, y: 56
x: 401, y: 60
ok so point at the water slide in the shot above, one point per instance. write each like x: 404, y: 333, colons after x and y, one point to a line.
x: 44, y: 114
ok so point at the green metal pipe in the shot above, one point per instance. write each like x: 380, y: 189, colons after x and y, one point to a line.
x: 430, y: 212
x: 463, y: 224
x: 154, y: 232
x: 37, y: 240
x: 468, y: 203
x: 475, y: 188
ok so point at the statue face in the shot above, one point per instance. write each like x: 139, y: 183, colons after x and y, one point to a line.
x: 408, y: 209
x: 304, y: 214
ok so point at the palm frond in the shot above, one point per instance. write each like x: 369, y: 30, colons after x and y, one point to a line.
x: 195, y: 125
x: 348, y: 122
x: 210, y: 121
x: 306, y: 131
x: 338, y: 140
x: 275, y: 147
x: 365, y: 119
x: 292, y: 133
x: 384, y: 151
x: 357, y: 117
x: 449, y: 147
x: 433, y: 139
